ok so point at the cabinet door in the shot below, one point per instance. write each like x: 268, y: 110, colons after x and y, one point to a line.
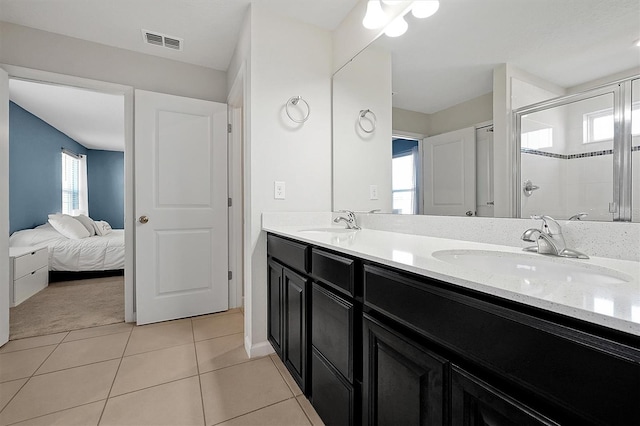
x: 295, y: 328
x: 474, y: 402
x: 331, y: 395
x: 403, y: 383
x: 332, y: 329
x: 275, y: 299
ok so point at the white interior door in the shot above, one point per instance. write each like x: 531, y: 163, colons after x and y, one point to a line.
x: 450, y: 173
x: 181, y: 194
x: 4, y: 207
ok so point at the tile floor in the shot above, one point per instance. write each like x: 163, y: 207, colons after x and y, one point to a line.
x: 192, y: 371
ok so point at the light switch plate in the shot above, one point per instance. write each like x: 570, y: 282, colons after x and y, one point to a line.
x: 278, y: 190
x: 373, y: 192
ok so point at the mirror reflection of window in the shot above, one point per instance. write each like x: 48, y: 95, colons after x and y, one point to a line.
x: 404, y: 175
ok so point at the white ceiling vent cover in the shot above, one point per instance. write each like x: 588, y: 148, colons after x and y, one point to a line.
x: 158, y: 39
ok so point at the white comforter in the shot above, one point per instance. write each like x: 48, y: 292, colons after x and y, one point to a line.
x: 97, y: 253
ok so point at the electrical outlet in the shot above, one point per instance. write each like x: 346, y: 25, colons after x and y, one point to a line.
x: 278, y: 190
x: 373, y: 192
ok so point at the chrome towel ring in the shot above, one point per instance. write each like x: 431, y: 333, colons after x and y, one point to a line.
x: 372, y: 119
x: 295, y: 100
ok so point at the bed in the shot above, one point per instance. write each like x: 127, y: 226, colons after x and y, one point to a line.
x: 95, y: 253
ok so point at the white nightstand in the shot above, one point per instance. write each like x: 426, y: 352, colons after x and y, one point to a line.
x: 28, y: 272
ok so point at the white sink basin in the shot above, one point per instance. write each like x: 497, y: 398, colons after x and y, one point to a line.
x: 532, y: 267
x: 335, y: 230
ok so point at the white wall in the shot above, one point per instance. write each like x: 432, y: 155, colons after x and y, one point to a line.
x: 285, y: 58
x: 465, y: 114
x: 410, y: 121
x: 362, y: 159
x: 41, y: 50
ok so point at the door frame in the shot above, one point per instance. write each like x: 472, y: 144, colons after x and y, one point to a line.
x: 47, y: 77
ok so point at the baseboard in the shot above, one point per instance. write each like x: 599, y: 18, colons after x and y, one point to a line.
x: 258, y: 349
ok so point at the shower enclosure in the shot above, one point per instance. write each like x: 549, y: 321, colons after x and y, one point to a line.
x: 579, y: 154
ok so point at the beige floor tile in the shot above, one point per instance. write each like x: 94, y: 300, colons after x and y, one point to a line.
x: 104, y: 330
x: 86, y: 351
x: 159, y: 336
x: 85, y: 415
x: 286, y: 375
x: 20, y: 364
x: 285, y: 413
x: 153, y: 368
x: 218, y: 326
x: 33, y: 342
x: 221, y: 352
x: 175, y: 403
x: 8, y: 389
x: 60, y: 390
x: 310, y: 411
x: 240, y: 389
x: 217, y: 314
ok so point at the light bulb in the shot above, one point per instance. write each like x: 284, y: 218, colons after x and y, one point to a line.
x: 397, y: 27
x: 424, y: 8
x: 375, y: 17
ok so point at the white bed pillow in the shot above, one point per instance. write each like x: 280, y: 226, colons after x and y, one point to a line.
x: 87, y: 222
x: 102, y: 227
x: 68, y: 226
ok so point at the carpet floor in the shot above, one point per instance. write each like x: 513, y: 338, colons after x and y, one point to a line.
x: 69, y: 305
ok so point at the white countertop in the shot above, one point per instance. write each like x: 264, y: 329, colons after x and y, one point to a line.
x: 615, y: 306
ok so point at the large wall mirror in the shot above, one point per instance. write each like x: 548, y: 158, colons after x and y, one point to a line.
x: 413, y: 115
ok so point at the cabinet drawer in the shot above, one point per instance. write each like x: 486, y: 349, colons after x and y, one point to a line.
x: 288, y: 252
x: 537, y: 355
x: 332, y: 329
x: 331, y: 396
x: 28, y: 285
x: 27, y: 263
x: 335, y: 270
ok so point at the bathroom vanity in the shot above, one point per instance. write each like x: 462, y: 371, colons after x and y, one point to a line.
x: 377, y: 330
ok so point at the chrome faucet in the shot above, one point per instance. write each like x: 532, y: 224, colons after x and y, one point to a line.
x: 350, y: 219
x: 549, y: 239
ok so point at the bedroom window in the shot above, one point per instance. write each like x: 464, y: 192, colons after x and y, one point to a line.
x: 74, y: 184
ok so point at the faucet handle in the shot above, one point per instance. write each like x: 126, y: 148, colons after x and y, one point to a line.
x: 579, y: 216
x: 549, y: 224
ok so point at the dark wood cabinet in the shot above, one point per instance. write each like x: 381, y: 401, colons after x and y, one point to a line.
x: 374, y: 345
x: 476, y: 403
x: 403, y: 383
x: 295, y: 330
x: 275, y: 299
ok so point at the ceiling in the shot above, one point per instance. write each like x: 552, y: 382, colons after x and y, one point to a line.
x: 95, y: 120
x: 441, y: 61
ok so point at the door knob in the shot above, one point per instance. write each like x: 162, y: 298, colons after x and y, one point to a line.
x: 469, y: 213
x: 143, y: 219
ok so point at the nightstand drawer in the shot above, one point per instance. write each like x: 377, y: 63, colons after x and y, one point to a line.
x: 27, y: 286
x: 30, y: 262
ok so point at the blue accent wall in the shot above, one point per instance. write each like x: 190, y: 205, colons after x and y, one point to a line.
x: 403, y: 146
x: 35, y: 168
x: 105, y: 172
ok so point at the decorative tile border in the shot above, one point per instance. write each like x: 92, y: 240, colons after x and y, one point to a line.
x: 572, y: 156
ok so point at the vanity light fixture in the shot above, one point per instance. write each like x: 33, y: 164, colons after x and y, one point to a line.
x: 397, y: 27
x: 424, y: 8
x: 375, y: 17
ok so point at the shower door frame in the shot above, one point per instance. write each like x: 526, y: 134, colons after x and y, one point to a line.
x: 622, y: 141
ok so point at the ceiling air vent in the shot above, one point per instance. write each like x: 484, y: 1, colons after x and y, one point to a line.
x: 158, y: 39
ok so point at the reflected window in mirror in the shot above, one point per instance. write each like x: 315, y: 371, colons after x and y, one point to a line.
x: 405, y: 176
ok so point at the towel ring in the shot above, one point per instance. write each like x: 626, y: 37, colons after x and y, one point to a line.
x: 363, y: 114
x: 294, y: 100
